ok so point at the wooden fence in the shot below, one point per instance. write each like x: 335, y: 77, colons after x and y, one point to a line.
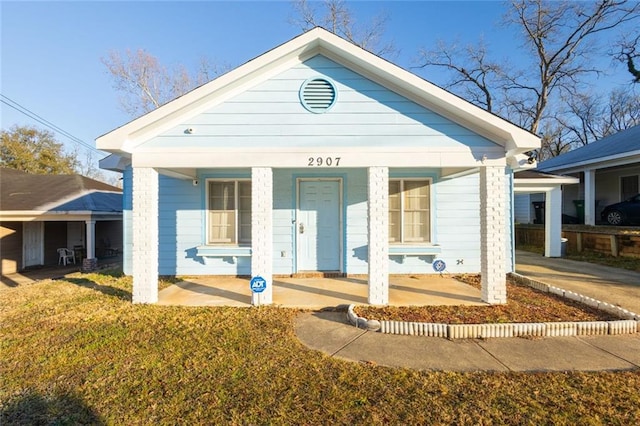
x: 606, y: 240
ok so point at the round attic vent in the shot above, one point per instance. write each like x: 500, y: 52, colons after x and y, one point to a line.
x: 318, y: 95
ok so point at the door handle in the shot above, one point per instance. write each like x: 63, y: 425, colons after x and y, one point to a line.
x: 301, y: 228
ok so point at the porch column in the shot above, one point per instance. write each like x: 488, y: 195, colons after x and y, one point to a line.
x: 553, y: 223
x: 493, y: 234
x: 378, y: 235
x: 589, y: 197
x: 145, y: 235
x: 90, y: 263
x: 91, y: 238
x: 262, y: 232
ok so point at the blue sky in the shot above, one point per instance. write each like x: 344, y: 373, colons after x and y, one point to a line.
x: 50, y: 61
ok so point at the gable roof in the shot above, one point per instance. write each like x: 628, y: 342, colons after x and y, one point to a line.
x: 22, y: 191
x: 319, y: 41
x: 624, y: 144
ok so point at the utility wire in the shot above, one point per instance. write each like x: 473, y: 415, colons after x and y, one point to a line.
x: 15, y: 105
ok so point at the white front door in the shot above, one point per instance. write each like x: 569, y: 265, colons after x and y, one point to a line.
x: 32, y: 244
x: 319, y: 225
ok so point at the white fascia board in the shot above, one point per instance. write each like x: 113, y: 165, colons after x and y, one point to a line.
x: 533, y: 189
x: 542, y: 184
x: 319, y: 41
x: 138, y: 131
x: 56, y: 216
x: 515, y: 139
x: 623, y: 159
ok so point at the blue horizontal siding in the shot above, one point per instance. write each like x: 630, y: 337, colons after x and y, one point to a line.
x: 283, y: 226
x: 365, y: 114
x: 458, y: 223
x: 182, y: 227
x: 127, y: 221
x: 357, y: 231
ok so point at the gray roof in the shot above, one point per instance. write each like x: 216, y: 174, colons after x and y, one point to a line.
x: 618, y: 144
x: 64, y: 193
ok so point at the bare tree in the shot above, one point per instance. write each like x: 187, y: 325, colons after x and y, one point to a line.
x: 145, y: 84
x: 587, y: 118
x: 473, y: 73
x: 561, y: 35
x: 335, y: 16
x: 628, y: 52
x: 560, y: 38
x: 556, y: 140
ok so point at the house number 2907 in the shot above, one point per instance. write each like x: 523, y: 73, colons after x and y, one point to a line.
x: 323, y: 161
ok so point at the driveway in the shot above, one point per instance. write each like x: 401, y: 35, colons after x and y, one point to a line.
x: 616, y: 286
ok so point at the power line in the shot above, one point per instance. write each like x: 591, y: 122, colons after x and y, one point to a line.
x: 24, y: 110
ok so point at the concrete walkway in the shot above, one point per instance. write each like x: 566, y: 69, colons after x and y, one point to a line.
x: 328, y: 331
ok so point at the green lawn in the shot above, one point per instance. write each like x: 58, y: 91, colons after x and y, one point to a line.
x: 78, y: 352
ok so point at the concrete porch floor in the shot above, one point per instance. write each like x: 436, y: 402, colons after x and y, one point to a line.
x: 313, y: 293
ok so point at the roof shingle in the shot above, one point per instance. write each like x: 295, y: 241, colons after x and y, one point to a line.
x: 25, y: 191
x: 619, y: 143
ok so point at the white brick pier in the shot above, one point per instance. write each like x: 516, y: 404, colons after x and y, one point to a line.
x: 493, y: 234
x: 378, y: 235
x: 145, y: 235
x: 262, y: 232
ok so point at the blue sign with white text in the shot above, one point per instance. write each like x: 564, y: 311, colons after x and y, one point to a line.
x: 258, y: 284
x: 439, y: 265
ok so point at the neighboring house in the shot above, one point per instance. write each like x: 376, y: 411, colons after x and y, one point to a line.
x: 41, y: 213
x: 549, y: 187
x: 608, y: 169
x: 318, y: 157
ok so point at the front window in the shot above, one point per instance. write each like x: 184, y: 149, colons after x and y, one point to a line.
x: 409, y: 211
x: 229, y: 212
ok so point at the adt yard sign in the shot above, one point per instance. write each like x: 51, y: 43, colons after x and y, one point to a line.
x: 258, y: 284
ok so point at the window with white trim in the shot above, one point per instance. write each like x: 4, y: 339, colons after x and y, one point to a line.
x: 409, y: 210
x: 229, y: 212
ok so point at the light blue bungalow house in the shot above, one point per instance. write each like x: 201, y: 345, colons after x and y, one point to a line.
x: 318, y: 157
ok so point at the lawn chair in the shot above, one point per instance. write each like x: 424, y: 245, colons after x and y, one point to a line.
x: 65, y: 256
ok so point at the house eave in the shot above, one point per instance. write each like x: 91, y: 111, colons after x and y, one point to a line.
x: 127, y: 138
x: 542, y: 184
x: 57, y: 216
x: 115, y: 162
x: 596, y: 163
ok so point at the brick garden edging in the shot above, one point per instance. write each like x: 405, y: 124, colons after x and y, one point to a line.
x: 629, y: 324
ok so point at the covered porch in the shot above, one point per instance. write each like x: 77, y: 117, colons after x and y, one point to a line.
x: 363, y: 225
x: 314, y: 293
